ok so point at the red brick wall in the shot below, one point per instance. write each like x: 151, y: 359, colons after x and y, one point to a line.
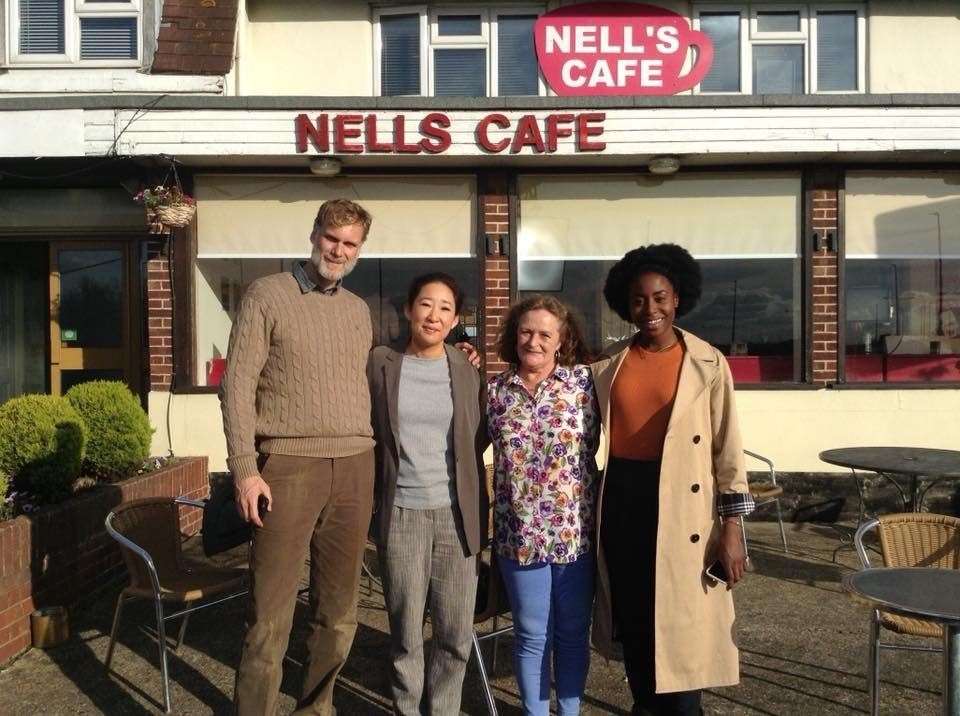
x: 496, y: 277
x: 824, y: 290
x: 196, y: 37
x: 62, y: 554
x: 159, y: 310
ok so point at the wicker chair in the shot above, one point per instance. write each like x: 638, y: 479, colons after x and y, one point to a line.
x: 767, y: 491
x: 148, y: 531
x: 914, y: 539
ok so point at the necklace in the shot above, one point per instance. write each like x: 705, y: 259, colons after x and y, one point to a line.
x: 657, y: 350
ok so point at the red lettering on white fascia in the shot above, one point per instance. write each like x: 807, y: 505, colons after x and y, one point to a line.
x: 527, y: 133
x: 358, y: 134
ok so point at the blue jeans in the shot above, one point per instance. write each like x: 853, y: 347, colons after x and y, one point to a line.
x: 563, y: 628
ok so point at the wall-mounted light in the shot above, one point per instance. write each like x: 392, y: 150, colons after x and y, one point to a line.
x: 325, y: 166
x: 664, y: 164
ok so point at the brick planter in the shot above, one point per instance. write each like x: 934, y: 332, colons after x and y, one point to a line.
x: 62, y: 553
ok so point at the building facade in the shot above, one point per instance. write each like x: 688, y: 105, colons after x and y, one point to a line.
x: 807, y: 153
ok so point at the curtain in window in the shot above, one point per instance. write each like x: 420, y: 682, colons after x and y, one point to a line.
x: 41, y: 27
x: 517, y: 71
x: 400, y: 55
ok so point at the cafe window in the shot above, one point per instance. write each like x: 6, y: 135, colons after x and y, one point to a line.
x: 743, y: 229
x: 456, y: 51
x: 762, y: 48
x: 902, y: 277
x: 253, y: 226
x: 99, y: 33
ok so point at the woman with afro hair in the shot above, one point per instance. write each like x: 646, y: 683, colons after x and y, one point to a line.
x: 672, y: 494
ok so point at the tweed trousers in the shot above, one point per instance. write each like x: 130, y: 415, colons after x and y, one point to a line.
x: 320, y: 505
x: 424, y: 560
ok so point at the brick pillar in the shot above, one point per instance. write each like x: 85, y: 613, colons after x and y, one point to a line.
x: 824, y: 221
x: 159, y: 311
x: 496, y: 276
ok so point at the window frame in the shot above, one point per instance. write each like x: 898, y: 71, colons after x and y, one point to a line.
x: 430, y: 39
x: 806, y: 37
x: 861, y: 21
x: 74, y: 11
x: 421, y: 12
x: 495, y: 15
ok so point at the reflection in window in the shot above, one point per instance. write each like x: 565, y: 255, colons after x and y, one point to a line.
x: 902, y: 277
x: 902, y: 320
x: 723, y: 29
x: 24, y: 322
x: 381, y: 283
x: 91, y: 306
x: 749, y: 310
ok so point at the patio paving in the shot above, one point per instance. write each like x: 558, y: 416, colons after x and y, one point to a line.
x: 803, y: 651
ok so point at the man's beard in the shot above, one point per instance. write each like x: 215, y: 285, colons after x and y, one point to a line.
x: 316, y: 258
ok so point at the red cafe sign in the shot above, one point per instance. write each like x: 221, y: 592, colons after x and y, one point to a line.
x: 620, y: 48
x: 494, y: 133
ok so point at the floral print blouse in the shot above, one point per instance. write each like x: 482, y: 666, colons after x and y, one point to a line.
x: 544, y: 468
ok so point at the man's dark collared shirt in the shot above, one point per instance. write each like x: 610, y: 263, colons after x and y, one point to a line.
x: 307, y: 284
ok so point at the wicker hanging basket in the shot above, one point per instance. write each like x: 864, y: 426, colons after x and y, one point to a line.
x: 176, y: 215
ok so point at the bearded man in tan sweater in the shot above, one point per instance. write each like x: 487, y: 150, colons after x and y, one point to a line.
x: 296, y: 413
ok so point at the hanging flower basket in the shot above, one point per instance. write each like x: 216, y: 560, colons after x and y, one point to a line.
x: 167, y: 207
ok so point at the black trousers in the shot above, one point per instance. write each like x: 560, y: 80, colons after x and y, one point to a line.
x: 628, y: 534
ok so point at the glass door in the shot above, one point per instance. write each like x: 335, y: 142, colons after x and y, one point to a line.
x: 89, y: 314
x: 23, y: 318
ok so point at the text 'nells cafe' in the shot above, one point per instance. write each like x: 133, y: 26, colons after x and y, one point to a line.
x: 358, y: 133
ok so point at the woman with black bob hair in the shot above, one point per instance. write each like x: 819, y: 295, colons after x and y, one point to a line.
x: 672, y: 493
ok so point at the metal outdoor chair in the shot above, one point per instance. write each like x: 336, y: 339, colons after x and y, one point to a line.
x: 148, y: 531
x: 906, y: 540
x: 766, y: 491
x: 492, y: 603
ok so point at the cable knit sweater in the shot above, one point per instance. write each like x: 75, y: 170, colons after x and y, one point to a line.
x: 296, y: 382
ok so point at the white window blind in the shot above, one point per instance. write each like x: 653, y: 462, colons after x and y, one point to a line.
x: 517, y: 69
x: 41, y: 27
x: 108, y: 38
x: 602, y: 216
x: 912, y: 216
x: 272, y: 216
x: 836, y: 51
x: 400, y: 54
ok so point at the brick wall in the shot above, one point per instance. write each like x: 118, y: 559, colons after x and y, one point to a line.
x: 62, y: 554
x: 496, y: 277
x: 196, y: 37
x: 825, y: 287
x: 159, y: 311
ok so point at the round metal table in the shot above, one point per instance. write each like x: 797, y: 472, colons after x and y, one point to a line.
x: 927, y: 593
x: 914, y: 463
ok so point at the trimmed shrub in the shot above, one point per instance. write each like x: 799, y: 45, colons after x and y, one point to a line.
x: 41, y: 444
x: 119, y: 429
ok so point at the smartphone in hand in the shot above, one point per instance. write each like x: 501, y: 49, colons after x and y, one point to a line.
x: 716, y: 573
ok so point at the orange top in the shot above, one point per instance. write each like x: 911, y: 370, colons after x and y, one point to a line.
x: 641, y: 400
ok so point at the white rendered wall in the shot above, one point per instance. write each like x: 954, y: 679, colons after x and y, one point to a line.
x: 300, y: 47
x: 790, y: 427
x: 913, y: 46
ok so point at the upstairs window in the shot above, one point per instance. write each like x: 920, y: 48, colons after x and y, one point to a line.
x: 102, y: 33
x: 762, y: 48
x: 456, y: 51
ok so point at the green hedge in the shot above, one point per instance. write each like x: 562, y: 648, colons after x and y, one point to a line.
x: 119, y: 429
x: 42, y: 440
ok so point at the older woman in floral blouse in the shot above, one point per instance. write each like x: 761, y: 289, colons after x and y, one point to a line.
x: 544, y: 423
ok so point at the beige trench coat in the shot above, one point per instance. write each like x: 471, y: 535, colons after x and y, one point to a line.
x: 702, y: 458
